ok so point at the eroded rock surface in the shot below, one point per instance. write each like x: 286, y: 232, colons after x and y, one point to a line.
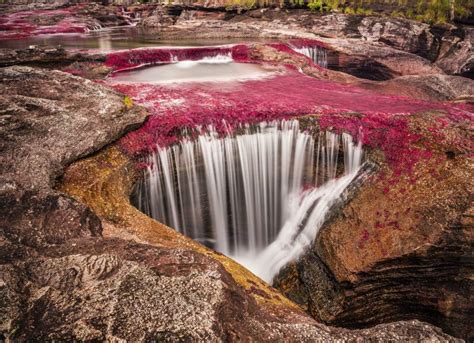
x: 62, y: 280
x: 50, y: 119
x: 110, y: 289
x: 403, y: 47
x: 402, y: 247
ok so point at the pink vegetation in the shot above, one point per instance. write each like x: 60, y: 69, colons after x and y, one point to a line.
x: 380, y: 121
x: 23, y: 24
x: 129, y: 59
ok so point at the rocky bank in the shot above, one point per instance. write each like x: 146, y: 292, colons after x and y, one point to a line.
x: 64, y: 279
x: 79, y: 262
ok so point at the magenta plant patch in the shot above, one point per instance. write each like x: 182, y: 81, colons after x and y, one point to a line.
x: 380, y: 121
x: 22, y: 24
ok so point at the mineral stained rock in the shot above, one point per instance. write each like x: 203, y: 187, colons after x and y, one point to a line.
x: 402, y: 247
x: 61, y: 279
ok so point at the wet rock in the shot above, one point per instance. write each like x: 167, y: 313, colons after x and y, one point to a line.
x: 428, y: 87
x: 40, y: 56
x: 402, y: 246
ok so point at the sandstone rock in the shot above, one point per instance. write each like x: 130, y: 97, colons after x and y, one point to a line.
x: 402, y: 247
x: 110, y: 289
x: 50, y: 119
x: 428, y: 87
x: 44, y: 57
x: 457, y: 53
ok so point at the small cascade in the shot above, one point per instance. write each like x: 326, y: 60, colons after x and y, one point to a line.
x: 317, y: 54
x: 220, y: 58
x: 94, y: 28
x: 259, y: 196
x: 132, y: 18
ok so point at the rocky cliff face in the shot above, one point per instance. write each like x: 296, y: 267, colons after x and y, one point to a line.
x: 61, y: 279
x: 396, y: 47
x: 89, y: 266
x: 401, y: 248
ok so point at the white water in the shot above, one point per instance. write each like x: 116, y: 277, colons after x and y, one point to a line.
x: 94, y: 28
x: 317, y: 54
x: 244, y: 194
x: 219, y: 68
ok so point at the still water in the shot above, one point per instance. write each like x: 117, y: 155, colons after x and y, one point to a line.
x: 210, y: 69
x: 109, y: 39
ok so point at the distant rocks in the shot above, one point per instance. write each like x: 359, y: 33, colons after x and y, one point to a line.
x: 391, y: 46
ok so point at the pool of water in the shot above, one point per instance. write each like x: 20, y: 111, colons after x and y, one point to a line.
x: 214, y: 69
x: 110, y: 39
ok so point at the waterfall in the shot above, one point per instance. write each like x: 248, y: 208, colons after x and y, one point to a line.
x: 94, y: 28
x: 132, y: 18
x: 317, y: 54
x: 220, y: 58
x: 259, y: 196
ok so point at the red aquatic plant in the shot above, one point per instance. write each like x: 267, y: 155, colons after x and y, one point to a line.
x: 23, y: 24
x: 380, y: 121
x: 123, y: 60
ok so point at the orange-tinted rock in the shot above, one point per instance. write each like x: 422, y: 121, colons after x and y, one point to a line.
x: 402, y: 246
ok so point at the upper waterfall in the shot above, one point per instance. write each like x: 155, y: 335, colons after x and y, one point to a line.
x: 317, y: 54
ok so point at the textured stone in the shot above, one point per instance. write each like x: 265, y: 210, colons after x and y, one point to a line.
x: 402, y: 247
x: 50, y: 119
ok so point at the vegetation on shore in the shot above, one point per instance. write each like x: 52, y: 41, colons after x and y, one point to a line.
x: 431, y: 11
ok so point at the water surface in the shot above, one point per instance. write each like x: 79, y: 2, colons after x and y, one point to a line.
x: 213, y: 69
x: 110, y: 39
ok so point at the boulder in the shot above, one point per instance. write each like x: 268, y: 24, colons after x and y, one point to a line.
x: 457, y: 53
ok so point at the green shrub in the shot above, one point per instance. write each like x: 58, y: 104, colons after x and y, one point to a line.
x: 314, y: 5
x: 349, y: 10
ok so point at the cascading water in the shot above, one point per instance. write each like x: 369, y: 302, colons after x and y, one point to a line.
x: 218, y: 68
x: 217, y: 59
x: 317, y: 54
x: 259, y: 196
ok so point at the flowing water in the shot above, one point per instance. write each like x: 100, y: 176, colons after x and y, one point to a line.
x: 259, y: 196
x: 209, y: 69
x: 317, y: 54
